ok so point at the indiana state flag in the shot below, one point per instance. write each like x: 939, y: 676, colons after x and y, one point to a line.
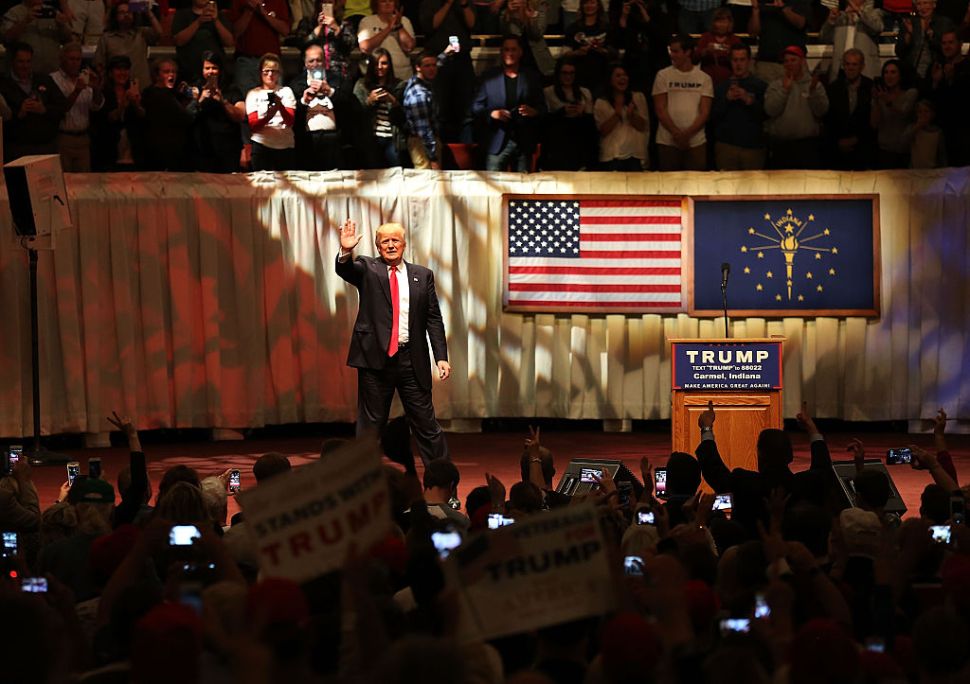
x: 787, y: 257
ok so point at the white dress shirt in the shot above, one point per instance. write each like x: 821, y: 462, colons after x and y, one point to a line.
x: 403, y: 300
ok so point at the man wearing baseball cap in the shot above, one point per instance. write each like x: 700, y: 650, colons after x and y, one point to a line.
x: 795, y: 105
x: 778, y: 24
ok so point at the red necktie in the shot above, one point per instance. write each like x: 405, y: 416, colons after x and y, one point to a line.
x: 395, y: 311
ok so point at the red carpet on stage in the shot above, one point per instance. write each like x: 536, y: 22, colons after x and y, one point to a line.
x: 496, y: 453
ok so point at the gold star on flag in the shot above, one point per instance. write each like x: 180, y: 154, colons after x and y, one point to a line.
x: 778, y: 298
x: 758, y: 287
x: 819, y: 288
x: 831, y: 271
x: 811, y: 217
x: 744, y: 249
x: 747, y: 270
x: 826, y: 232
x: 750, y: 231
x: 788, y: 212
x: 761, y: 255
x: 767, y: 217
x: 769, y: 274
x: 835, y: 250
x: 818, y: 256
x: 809, y: 275
x: 801, y: 298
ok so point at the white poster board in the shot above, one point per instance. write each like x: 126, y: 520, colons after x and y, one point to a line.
x: 302, y: 522
x: 546, y: 569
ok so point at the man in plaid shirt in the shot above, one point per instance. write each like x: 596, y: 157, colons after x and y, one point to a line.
x: 424, y: 141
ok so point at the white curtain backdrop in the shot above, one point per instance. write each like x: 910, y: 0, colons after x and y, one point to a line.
x: 200, y: 300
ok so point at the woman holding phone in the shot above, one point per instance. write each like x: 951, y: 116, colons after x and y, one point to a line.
x: 216, y: 133
x: 380, y: 94
x: 116, y: 127
x: 271, y: 110
x: 389, y: 29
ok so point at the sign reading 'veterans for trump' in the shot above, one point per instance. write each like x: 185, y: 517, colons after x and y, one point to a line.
x: 593, y: 253
x: 303, y: 521
x: 542, y: 570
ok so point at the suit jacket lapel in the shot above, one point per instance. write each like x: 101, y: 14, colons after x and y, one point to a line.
x: 385, y: 280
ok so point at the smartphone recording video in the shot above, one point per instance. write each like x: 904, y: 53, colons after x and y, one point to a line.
x: 445, y: 541
x: 34, y: 585
x: 11, y: 545
x: 497, y: 520
x: 633, y: 566
x: 183, y: 535
x: 941, y: 533
x: 589, y: 475
x: 73, y: 470
x: 899, y: 456
x: 724, y: 503
x: 645, y: 517
x: 735, y: 625
x: 235, y: 482
x: 660, y: 482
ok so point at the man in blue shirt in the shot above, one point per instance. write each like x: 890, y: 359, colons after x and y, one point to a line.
x: 739, y: 116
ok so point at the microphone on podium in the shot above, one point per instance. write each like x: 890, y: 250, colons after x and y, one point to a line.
x: 725, y: 272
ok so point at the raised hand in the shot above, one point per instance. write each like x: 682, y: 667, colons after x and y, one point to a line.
x: 706, y: 418
x: 348, y: 236
x: 496, y: 492
x: 805, y: 421
x: 858, y: 451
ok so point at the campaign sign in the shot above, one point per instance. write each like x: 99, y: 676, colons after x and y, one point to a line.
x: 303, y: 521
x: 542, y: 570
x: 726, y: 365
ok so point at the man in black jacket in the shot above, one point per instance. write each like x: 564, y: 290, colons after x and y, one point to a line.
x: 397, y: 315
x: 850, y: 139
x: 751, y: 488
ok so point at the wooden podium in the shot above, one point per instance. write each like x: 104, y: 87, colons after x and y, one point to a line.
x: 743, y: 377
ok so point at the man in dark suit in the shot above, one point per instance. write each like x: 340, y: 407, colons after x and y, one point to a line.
x: 752, y: 488
x: 398, y: 314
x: 850, y: 141
x: 510, y: 100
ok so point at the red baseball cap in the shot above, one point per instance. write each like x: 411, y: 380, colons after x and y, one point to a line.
x: 794, y: 50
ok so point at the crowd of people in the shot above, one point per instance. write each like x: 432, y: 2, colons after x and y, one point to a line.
x: 392, y: 84
x: 802, y: 580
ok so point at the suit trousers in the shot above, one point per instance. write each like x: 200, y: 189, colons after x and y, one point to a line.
x: 375, y: 391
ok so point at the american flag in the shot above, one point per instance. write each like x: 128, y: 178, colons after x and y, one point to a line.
x: 596, y: 253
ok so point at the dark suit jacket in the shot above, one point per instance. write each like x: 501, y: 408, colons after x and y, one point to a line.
x: 372, y: 330
x: 840, y: 123
x: 491, y: 95
x: 751, y: 488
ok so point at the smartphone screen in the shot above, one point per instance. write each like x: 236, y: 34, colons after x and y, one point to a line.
x: 497, y: 520
x: 941, y: 533
x: 445, y: 541
x: 660, y: 482
x: 10, y: 545
x: 73, y: 470
x: 34, y: 585
x: 761, y: 608
x: 183, y: 535
x: 94, y: 468
x: 646, y: 518
x: 633, y: 566
x: 724, y: 503
x: 588, y: 475
x: 16, y: 452
x: 234, y: 482
x: 899, y: 456
x: 729, y: 625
